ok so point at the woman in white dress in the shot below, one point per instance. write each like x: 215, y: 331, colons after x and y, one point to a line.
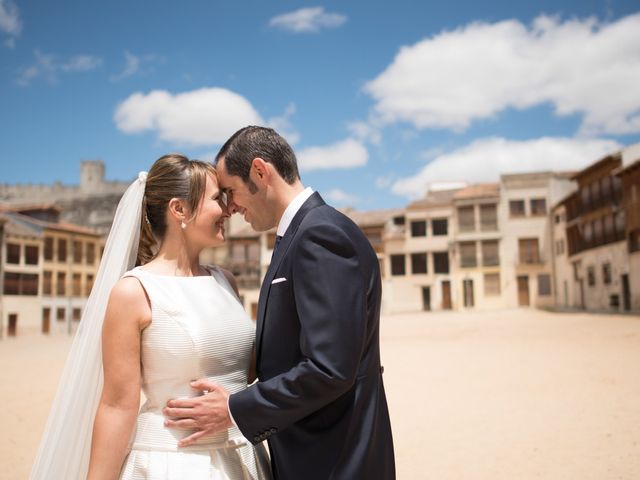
x: 167, y: 322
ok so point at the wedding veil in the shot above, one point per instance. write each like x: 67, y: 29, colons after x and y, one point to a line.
x: 66, y: 442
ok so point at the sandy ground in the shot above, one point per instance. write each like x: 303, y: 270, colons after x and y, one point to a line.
x: 502, y: 395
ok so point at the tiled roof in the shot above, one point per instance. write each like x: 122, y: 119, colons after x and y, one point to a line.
x: 18, y: 224
x: 478, y: 190
x: 371, y: 218
x: 434, y: 198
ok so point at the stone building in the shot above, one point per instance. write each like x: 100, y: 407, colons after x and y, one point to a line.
x: 418, y: 271
x: 526, y: 236
x: 47, y: 270
x: 595, y: 233
x: 92, y: 203
x: 629, y: 174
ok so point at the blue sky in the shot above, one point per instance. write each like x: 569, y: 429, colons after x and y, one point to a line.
x: 380, y: 99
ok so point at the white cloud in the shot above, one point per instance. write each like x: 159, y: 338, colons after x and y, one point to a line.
x: 48, y: 66
x: 10, y: 22
x: 136, y: 64
x: 341, y: 198
x: 583, y: 67
x: 384, y: 182
x: 307, y: 20
x: 283, y: 126
x: 131, y: 68
x: 207, y: 116
x: 486, y: 159
x: 365, y: 132
x: 81, y: 63
x: 348, y: 153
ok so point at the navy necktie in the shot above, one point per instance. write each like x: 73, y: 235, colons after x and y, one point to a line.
x: 275, y: 246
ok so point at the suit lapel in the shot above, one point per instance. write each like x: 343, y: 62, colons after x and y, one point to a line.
x: 312, y: 202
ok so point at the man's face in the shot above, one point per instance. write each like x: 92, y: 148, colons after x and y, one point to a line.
x: 254, y: 207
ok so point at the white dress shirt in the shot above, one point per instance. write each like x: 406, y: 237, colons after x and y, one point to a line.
x: 292, y: 209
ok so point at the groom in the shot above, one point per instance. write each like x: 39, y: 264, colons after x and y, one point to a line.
x: 320, y: 401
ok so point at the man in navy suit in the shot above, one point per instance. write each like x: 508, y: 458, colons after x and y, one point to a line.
x: 320, y: 401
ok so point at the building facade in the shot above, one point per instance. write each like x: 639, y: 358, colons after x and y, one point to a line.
x: 47, y: 271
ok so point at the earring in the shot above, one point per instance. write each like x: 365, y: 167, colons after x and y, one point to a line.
x: 183, y: 225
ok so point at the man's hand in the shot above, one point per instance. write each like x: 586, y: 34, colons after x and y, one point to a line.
x: 208, y: 413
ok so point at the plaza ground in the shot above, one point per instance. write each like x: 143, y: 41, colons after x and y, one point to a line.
x: 519, y: 394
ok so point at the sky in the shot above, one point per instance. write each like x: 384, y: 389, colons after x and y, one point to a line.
x: 381, y: 100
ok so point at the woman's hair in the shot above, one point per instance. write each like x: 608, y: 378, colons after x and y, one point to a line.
x: 171, y: 176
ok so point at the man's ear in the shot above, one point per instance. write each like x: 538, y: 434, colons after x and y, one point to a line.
x: 260, y: 172
x: 177, y: 210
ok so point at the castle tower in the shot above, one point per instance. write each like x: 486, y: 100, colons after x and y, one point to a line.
x: 91, y: 177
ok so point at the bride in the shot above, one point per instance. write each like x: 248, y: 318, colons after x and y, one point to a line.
x: 155, y: 327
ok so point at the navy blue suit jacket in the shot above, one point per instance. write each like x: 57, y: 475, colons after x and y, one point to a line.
x: 320, y: 400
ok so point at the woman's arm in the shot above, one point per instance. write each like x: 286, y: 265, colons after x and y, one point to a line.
x: 128, y: 312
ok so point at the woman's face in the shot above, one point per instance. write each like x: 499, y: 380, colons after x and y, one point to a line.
x: 206, y: 228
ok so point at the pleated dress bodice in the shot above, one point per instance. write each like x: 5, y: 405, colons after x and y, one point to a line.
x: 198, y: 329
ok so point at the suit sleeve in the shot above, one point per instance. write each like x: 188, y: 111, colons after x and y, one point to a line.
x: 329, y: 290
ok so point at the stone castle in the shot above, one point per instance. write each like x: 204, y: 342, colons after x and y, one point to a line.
x: 92, y: 203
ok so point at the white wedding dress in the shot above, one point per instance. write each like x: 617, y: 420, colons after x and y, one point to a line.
x: 198, y: 329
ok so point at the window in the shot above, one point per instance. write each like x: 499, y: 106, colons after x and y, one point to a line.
x: 634, y: 240
x: 13, y: 253
x: 77, y: 314
x: 544, y: 284
x: 91, y: 253
x: 595, y: 193
x: 441, y: 262
x: 528, y: 251
x: 468, y: 254
x: 538, y: 206
x: 605, y: 189
x: 609, y: 234
x: 88, y: 285
x: 587, y: 232
x: 559, y: 247
x: 77, y: 252
x: 29, y: 284
x: 490, y: 254
x: 491, y: 284
x: 61, y: 279
x: 31, y: 254
x: 47, y: 283
x: 48, y: 248
x: 11, y: 283
x: 398, y: 220
x: 20, y: 283
x: 488, y: 218
x: 466, y: 219
x: 76, y: 285
x: 516, y: 208
x: 62, y: 250
x: 60, y: 314
x: 419, y: 229
x: 606, y: 273
x: 620, y: 224
x: 418, y: 263
x: 440, y: 226
x: 397, y: 265
x: 597, y: 231
x: 585, y: 198
x: 591, y: 276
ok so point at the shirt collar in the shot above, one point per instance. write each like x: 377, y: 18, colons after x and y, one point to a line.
x: 292, y: 209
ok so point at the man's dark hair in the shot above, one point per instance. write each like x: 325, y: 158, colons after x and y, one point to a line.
x: 253, y: 142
